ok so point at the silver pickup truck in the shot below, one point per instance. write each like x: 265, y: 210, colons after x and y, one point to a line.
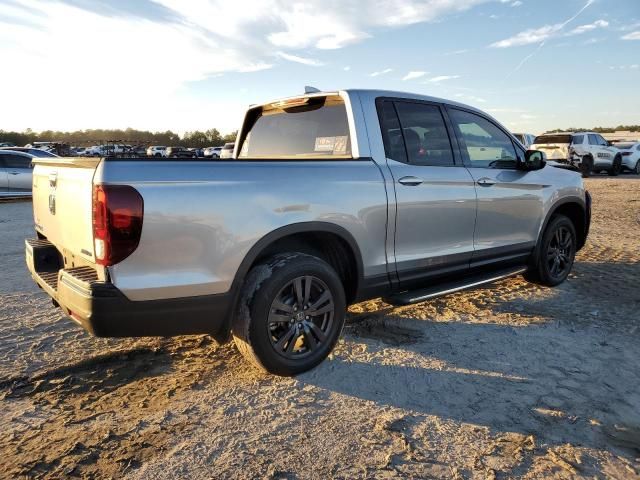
x: 330, y: 198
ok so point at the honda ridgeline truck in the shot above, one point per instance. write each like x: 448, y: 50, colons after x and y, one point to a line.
x: 330, y: 198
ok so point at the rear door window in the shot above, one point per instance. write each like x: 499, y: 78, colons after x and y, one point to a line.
x: 549, y: 139
x: 425, y: 134
x: 305, y: 128
x: 577, y: 139
x: 391, y: 134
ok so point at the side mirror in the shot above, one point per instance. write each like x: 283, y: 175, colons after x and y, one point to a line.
x: 533, y: 160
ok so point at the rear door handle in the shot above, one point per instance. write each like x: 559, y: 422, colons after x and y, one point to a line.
x: 410, y: 181
x: 14, y: 173
x: 486, y: 182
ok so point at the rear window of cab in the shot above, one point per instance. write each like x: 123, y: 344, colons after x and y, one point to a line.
x: 312, y: 128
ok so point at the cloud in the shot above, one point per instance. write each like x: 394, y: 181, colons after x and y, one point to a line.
x: 443, y: 78
x: 527, y: 37
x: 297, y: 59
x: 505, y: 110
x: 381, y: 72
x: 632, y: 36
x: 458, y: 52
x: 547, y: 32
x: 589, y: 27
x: 470, y: 98
x: 413, y: 75
x: 517, y: 3
x: 101, y: 41
x: 347, y: 68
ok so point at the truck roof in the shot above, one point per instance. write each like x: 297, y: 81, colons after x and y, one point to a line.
x: 374, y: 93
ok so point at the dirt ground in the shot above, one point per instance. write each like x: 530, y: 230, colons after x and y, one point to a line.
x: 513, y: 381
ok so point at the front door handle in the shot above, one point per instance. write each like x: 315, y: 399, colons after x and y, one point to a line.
x: 14, y: 173
x: 486, y: 182
x: 410, y: 181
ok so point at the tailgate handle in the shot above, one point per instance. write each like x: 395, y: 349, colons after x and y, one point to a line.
x: 53, y: 179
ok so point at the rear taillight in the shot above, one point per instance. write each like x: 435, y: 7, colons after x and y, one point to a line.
x: 117, y: 222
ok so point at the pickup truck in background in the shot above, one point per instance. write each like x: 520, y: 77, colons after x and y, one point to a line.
x: 331, y: 198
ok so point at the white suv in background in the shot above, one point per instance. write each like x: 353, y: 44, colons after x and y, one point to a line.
x: 526, y: 139
x: 156, y: 151
x: 588, y: 151
x: 630, y: 152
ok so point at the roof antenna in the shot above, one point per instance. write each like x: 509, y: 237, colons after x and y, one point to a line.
x: 308, y: 89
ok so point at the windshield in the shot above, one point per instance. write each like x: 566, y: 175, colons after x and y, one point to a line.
x: 313, y: 128
x: 546, y: 139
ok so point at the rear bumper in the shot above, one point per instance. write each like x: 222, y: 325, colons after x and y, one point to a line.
x: 104, y: 311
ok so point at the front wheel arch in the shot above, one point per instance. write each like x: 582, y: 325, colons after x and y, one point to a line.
x: 573, y: 208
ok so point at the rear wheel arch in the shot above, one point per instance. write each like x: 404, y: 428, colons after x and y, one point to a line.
x: 327, y: 241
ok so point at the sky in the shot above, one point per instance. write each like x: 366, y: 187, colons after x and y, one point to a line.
x: 193, y: 65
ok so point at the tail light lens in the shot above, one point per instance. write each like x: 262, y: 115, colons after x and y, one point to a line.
x: 117, y: 222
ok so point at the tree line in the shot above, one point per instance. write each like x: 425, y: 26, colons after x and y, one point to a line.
x: 130, y: 136
x: 619, y: 128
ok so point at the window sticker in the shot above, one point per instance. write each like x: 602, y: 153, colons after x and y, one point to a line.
x: 325, y: 144
x: 340, y: 145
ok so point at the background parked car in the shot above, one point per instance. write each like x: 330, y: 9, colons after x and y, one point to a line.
x: 36, y: 152
x: 180, y: 152
x: 138, y: 151
x: 78, y: 151
x: 588, y: 151
x: 95, y: 150
x: 630, y: 156
x: 526, y: 139
x: 212, y: 152
x: 227, y: 150
x: 156, y: 151
x: 15, y: 173
x: 197, y: 151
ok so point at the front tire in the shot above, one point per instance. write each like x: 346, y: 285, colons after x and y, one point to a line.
x: 636, y: 170
x: 291, y: 313
x: 586, y: 166
x: 556, y: 253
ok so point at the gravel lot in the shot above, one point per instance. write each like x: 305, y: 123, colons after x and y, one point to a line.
x: 513, y: 381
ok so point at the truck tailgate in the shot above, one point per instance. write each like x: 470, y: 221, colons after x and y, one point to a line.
x: 62, y: 204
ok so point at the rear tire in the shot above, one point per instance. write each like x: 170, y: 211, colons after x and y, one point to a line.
x: 291, y: 313
x: 556, y: 253
x: 616, y: 167
x: 586, y: 166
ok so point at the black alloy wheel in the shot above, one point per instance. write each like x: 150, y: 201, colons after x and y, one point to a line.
x: 560, y: 253
x: 301, y: 317
x: 291, y: 313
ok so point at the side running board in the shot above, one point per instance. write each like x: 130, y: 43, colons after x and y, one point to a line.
x: 471, y: 281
